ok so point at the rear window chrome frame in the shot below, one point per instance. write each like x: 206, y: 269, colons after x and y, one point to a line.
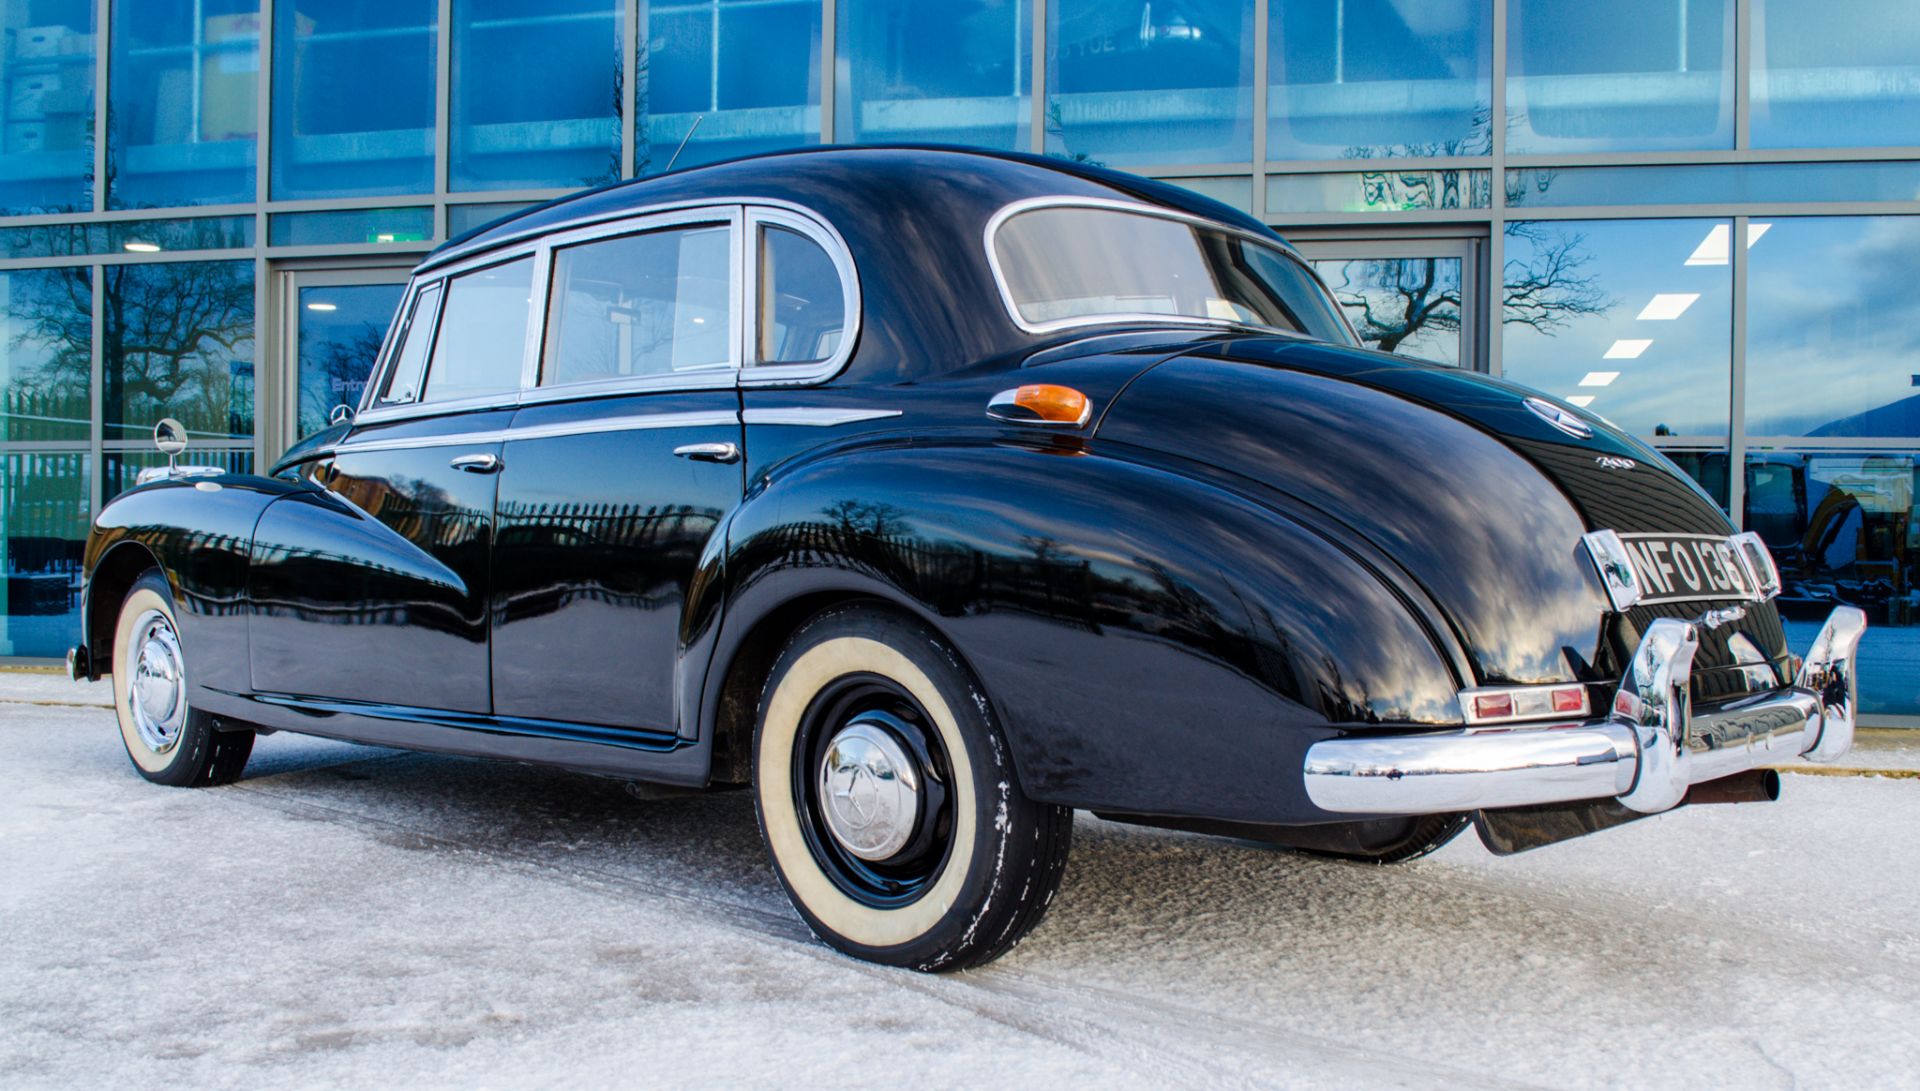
x: 741, y: 214
x: 1053, y: 325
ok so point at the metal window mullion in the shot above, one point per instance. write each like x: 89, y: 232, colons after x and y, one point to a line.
x: 1742, y: 74
x: 269, y: 414
x: 1737, y: 381
x: 103, y: 40
x: 1262, y: 59
x: 1037, y: 81
x: 442, y: 114
x: 1493, y: 282
x: 630, y: 95
x: 829, y: 66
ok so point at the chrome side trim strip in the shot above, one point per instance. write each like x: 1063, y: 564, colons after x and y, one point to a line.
x: 814, y: 417
x: 636, y: 423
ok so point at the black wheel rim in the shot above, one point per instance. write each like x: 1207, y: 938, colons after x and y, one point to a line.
x: 876, y: 702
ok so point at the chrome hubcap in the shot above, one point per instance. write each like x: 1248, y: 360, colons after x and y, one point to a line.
x: 870, y: 791
x: 157, y: 687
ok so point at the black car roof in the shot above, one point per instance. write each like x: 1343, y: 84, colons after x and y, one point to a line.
x: 898, y: 170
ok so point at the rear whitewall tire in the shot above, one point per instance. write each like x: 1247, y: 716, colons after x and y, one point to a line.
x: 1003, y: 853
x: 179, y: 750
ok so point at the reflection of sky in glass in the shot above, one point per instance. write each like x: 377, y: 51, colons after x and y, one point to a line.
x: 1368, y: 78
x: 1409, y: 306
x: 1170, y: 83
x: 749, y: 71
x: 1673, y: 373
x: 1623, y: 75
x: 46, y: 343
x: 1833, y: 327
x: 536, y: 87
x: 950, y: 71
x: 1832, y: 75
x: 340, y: 332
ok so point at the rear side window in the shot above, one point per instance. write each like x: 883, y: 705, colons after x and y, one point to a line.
x: 802, y: 306
x: 653, y: 304
x: 483, y: 333
x: 403, y: 379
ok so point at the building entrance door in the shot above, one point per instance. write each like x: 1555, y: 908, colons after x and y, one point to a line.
x: 333, y: 321
x: 1417, y: 296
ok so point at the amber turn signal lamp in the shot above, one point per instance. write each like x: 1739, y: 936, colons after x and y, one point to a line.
x: 1041, y: 403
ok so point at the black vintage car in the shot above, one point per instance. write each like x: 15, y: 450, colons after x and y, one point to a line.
x: 935, y: 495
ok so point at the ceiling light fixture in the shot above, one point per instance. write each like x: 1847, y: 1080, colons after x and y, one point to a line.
x: 1581, y: 400
x: 1713, y: 250
x: 1667, y: 306
x: 141, y: 247
x: 323, y: 307
x: 1628, y: 348
x: 1599, y: 378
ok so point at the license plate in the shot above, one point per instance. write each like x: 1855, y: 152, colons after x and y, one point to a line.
x: 1688, y: 568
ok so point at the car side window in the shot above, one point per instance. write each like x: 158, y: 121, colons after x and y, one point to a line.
x: 483, y: 333
x: 651, y: 304
x: 403, y: 378
x: 802, y: 307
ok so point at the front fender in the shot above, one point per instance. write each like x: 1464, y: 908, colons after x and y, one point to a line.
x: 1153, y: 643
x: 199, y: 531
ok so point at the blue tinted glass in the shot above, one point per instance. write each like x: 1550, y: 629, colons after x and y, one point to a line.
x: 1378, y: 191
x: 120, y: 470
x: 183, y: 109
x: 748, y: 69
x: 464, y: 218
x: 1719, y: 184
x: 948, y: 71
x: 46, y: 114
x: 1830, y: 326
x: 359, y: 225
x: 1841, y: 525
x: 1828, y: 75
x: 127, y: 236
x: 1406, y: 305
x: 341, y: 328
x: 1630, y: 319
x: 1629, y: 74
x: 1361, y: 78
x: 1170, y: 82
x: 177, y: 341
x: 536, y: 93
x: 353, y: 98
x: 43, y: 532
x: 46, y: 348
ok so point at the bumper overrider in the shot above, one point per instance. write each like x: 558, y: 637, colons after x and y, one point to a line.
x: 1646, y: 753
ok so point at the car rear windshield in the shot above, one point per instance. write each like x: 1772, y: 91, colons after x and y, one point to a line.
x: 1073, y: 265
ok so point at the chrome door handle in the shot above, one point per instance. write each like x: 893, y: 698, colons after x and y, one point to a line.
x: 477, y: 464
x: 709, y: 452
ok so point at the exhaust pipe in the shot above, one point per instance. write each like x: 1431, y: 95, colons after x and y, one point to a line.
x: 1752, y: 786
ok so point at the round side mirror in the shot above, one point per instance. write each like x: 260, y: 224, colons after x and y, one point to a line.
x: 342, y: 414
x: 170, y: 436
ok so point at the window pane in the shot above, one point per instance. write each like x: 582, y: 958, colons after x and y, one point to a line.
x: 1632, y: 74
x: 1831, y: 75
x: 536, y: 92
x: 750, y: 69
x: 403, y: 380
x: 341, y: 328
x: 1406, y: 305
x: 1365, y: 78
x: 360, y: 225
x: 1717, y: 184
x: 1632, y: 319
x: 1159, y: 83
x: 177, y: 341
x: 43, y: 516
x: 46, y: 353
x: 47, y: 164
x: 337, y: 132
x: 483, y: 333
x: 127, y: 236
x: 803, y: 312
x: 1842, y: 528
x: 121, y: 469
x: 1379, y: 191
x: 954, y: 72
x: 464, y: 218
x: 653, y: 304
x: 183, y: 106
x: 1830, y: 326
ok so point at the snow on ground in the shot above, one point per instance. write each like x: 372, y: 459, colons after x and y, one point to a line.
x: 354, y: 916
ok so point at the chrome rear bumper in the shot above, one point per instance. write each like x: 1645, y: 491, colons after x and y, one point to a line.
x: 1647, y: 752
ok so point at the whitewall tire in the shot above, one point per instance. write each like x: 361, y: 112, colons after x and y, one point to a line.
x: 888, y: 799
x: 168, y: 740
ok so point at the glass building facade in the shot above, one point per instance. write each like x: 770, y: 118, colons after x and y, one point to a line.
x: 1699, y: 218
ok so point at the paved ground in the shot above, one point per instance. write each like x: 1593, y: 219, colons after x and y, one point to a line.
x: 355, y: 916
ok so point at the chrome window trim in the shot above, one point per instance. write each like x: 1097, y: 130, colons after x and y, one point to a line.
x: 1030, y: 204
x: 636, y: 422
x: 815, y: 417
x: 752, y: 373
x: 736, y: 211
